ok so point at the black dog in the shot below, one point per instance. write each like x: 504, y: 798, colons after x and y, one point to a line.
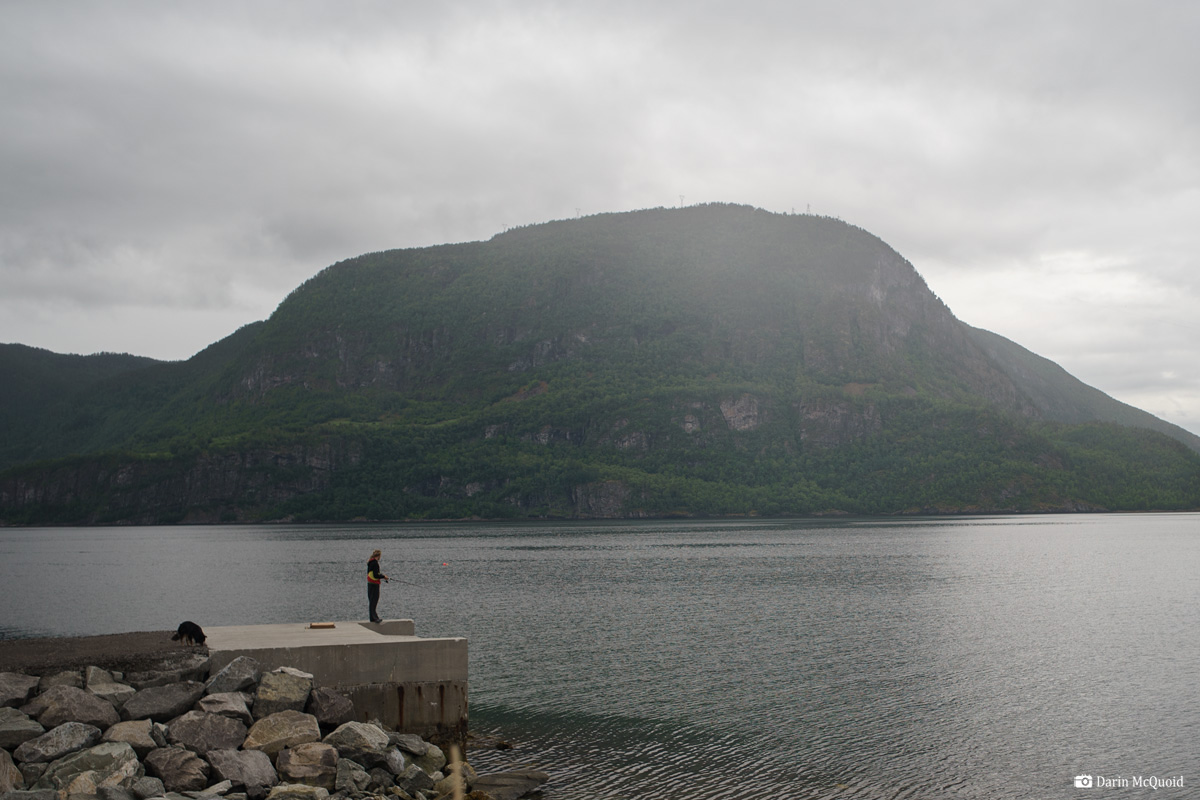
x: 189, y: 633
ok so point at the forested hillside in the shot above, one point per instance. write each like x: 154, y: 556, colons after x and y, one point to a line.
x: 703, y: 361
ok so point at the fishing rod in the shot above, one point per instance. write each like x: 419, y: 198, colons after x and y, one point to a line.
x: 406, y: 583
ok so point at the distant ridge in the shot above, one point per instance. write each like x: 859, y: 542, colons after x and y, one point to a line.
x: 1062, y: 397
x: 704, y: 361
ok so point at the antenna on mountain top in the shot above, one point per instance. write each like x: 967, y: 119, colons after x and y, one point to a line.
x: 576, y: 213
x: 681, y: 201
x: 809, y: 210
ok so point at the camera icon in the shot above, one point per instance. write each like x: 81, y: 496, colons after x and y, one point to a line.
x: 1083, y: 781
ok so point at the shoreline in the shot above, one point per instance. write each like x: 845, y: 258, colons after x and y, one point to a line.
x: 118, y: 669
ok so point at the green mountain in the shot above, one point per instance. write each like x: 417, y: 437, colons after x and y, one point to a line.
x: 711, y: 360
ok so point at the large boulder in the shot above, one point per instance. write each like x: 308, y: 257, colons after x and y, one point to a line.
x: 410, y: 743
x: 229, y: 704
x: 180, y: 770
x: 101, y: 683
x: 16, y: 689
x: 250, y: 771
x: 281, y: 690
x: 280, y: 730
x: 381, y: 781
x: 358, y: 740
x: 200, y: 732
x: 106, y: 764
x: 62, y: 740
x: 10, y: 777
x: 68, y: 677
x: 394, y: 761
x: 330, y: 707
x: 71, y: 704
x: 509, y: 785
x: 16, y: 727
x: 114, y: 693
x: 414, y: 779
x: 163, y: 703
x: 241, y: 673
x: 432, y: 760
x: 351, y: 778
x: 148, y: 786
x: 140, y: 734
x: 314, y: 763
x: 31, y: 771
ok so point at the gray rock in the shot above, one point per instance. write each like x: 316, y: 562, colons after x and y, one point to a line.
x: 10, y: 777
x: 31, y: 772
x: 116, y: 793
x: 69, y: 677
x: 330, y: 707
x: 146, y: 787
x: 314, y: 763
x: 140, y: 734
x: 380, y: 780
x: 250, y: 770
x: 200, y: 731
x: 228, y: 704
x: 16, y: 727
x: 30, y: 794
x: 114, y: 693
x: 180, y: 770
x: 241, y: 673
x: 70, y: 704
x: 216, y: 790
x: 162, y: 703
x: 409, y: 743
x: 107, y: 764
x: 394, y: 761
x: 351, y: 778
x: 297, y: 791
x: 16, y: 689
x: 415, y: 780
x: 62, y: 740
x: 353, y: 740
x: 96, y: 675
x: 280, y: 730
x: 280, y: 690
x: 510, y: 785
x: 432, y: 761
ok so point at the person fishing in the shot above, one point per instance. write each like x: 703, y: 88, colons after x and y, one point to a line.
x: 374, y: 576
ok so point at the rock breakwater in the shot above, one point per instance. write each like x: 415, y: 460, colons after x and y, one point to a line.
x: 239, y: 734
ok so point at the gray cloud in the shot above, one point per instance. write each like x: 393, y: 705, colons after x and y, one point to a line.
x: 171, y: 171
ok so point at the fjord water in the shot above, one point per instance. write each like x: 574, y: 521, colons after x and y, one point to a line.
x: 967, y: 658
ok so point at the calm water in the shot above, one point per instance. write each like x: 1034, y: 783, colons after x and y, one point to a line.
x: 976, y: 658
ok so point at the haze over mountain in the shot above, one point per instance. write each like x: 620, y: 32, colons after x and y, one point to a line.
x: 707, y: 360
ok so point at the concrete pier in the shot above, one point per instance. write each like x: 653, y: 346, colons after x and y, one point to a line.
x: 411, y: 684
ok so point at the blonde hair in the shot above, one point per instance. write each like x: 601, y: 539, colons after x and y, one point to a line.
x: 376, y: 554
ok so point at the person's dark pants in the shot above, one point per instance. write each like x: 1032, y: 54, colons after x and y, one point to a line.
x: 373, y: 597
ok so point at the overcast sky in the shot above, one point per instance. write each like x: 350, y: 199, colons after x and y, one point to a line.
x: 170, y: 171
